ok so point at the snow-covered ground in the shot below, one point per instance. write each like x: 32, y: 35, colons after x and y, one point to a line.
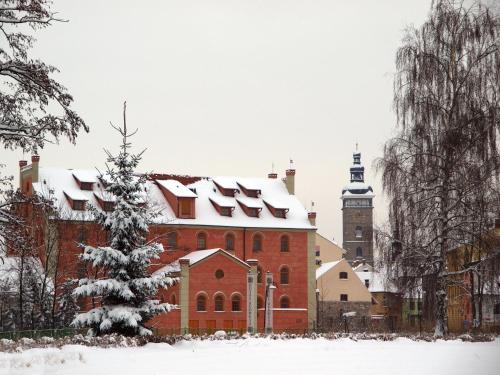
x: 255, y: 356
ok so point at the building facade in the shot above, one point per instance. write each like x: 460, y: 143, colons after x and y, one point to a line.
x: 242, y: 248
x: 341, y: 291
x: 357, y: 215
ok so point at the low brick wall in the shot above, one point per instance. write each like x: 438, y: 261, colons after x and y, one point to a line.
x: 330, y: 315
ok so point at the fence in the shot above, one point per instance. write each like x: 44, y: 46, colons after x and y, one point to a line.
x: 34, y: 334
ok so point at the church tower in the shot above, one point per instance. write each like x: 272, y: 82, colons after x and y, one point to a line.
x: 357, y: 215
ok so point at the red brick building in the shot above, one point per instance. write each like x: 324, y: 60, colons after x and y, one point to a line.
x: 232, y: 241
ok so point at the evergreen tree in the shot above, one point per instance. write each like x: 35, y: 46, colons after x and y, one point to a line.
x: 126, y: 288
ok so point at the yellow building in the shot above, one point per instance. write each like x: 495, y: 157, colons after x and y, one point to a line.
x: 463, y: 288
x: 327, y: 251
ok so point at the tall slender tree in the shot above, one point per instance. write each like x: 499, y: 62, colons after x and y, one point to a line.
x: 126, y: 288
x: 441, y: 171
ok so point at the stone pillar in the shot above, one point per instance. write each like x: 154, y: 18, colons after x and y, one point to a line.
x: 269, y: 303
x: 311, y: 279
x: 184, y: 295
x: 252, y: 296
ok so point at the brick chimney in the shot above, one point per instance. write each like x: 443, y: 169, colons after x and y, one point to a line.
x: 35, y: 159
x: 312, y: 218
x: 22, y: 164
x: 272, y: 175
x: 290, y: 181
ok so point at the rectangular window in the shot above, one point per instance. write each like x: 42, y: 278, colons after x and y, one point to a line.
x: 225, y: 211
x: 343, y: 297
x: 109, y: 206
x: 86, y: 186
x: 185, y: 207
x: 79, y: 205
x: 412, y: 305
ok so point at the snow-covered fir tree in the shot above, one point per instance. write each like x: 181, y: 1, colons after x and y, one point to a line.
x: 126, y: 290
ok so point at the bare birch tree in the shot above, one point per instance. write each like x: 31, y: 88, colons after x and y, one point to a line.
x: 441, y: 171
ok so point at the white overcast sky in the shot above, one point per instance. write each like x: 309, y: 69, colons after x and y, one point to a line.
x: 229, y: 87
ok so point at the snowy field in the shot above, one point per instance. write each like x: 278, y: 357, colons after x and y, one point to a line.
x: 254, y: 356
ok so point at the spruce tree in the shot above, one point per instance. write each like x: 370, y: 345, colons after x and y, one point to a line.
x: 126, y: 290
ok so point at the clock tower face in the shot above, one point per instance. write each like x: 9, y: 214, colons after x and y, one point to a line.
x: 357, y: 215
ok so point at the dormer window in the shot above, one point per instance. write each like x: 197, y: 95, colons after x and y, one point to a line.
x: 85, y: 179
x: 249, y: 190
x: 277, y: 209
x: 223, y: 205
x: 76, y: 199
x: 180, y: 198
x: 106, y: 201
x: 251, y: 206
x: 227, y: 186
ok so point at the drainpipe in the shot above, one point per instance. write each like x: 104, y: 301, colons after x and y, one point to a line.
x: 244, y: 244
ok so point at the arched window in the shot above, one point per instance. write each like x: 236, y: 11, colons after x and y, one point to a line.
x: 201, y: 241
x: 359, y: 252
x: 236, y: 303
x: 230, y: 241
x: 201, y: 303
x: 496, y: 312
x: 284, y: 275
x: 359, y: 232
x: 172, y: 240
x: 219, y: 302
x: 259, y: 274
x: 343, y: 275
x: 284, y: 244
x: 260, y: 302
x: 173, y: 299
x: 285, y: 302
x: 257, y: 242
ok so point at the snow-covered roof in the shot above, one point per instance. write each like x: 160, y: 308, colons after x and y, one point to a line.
x: 226, y: 183
x: 248, y: 183
x: 250, y: 202
x: 377, y: 282
x: 197, y: 256
x: 358, y: 188
x: 75, y: 194
x: 176, y: 188
x: 54, y: 181
x: 170, y: 268
x: 85, y: 176
x: 276, y: 203
x: 363, y: 267
x: 325, y: 267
